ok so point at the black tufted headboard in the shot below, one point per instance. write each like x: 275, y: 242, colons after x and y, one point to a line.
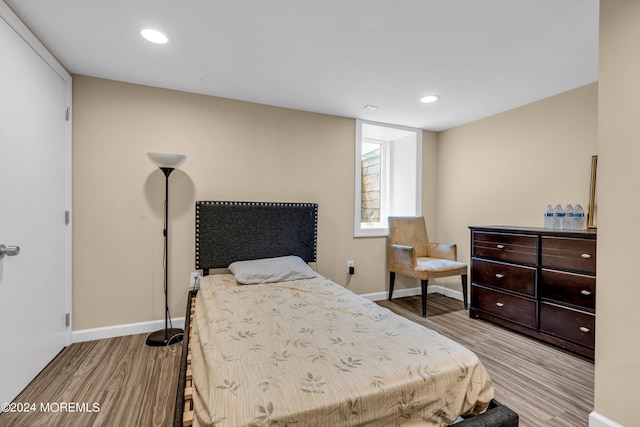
x: 236, y: 231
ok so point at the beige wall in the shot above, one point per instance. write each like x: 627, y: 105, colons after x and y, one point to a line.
x: 235, y: 151
x: 243, y: 151
x: 617, y: 372
x: 506, y: 168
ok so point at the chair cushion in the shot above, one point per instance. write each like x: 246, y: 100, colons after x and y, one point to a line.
x: 438, y: 265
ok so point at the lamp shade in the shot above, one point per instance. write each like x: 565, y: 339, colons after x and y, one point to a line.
x: 167, y: 160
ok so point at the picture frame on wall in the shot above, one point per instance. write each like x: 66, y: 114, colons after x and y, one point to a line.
x: 593, y: 205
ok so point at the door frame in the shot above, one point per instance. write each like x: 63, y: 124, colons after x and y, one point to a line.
x: 9, y: 16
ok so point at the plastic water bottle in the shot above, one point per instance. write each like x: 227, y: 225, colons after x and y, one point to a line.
x: 558, y: 218
x: 579, y: 220
x: 548, y: 217
x: 568, y: 218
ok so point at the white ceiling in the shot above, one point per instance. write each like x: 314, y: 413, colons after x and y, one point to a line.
x: 335, y: 56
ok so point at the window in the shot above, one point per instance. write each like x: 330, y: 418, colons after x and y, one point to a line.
x: 387, y: 175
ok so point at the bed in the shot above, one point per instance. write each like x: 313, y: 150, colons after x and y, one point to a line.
x: 286, y: 346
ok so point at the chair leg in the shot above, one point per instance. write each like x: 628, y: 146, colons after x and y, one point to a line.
x: 464, y: 291
x: 392, y: 280
x: 424, y: 297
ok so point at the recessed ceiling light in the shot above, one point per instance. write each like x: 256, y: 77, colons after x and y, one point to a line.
x: 429, y: 99
x: 370, y: 107
x: 154, y: 36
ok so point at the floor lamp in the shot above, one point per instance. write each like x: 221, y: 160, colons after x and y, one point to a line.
x: 167, y: 162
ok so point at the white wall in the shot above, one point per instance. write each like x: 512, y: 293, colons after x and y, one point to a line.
x: 404, y: 170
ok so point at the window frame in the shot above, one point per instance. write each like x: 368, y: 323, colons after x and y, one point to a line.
x: 382, y: 229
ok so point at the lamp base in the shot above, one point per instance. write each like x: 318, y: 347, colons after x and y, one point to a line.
x: 157, y: 338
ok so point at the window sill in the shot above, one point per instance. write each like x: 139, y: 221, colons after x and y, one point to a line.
x: 371, y: 232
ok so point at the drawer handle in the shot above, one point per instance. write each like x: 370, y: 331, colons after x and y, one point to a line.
x: 499, y: 304
x: 586, y: 256
x: 585, y: 292
x: 585, y: 329
x: 499, y: 275
x: 502, y: 247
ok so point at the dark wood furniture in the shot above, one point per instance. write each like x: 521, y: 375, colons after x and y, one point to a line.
x: 536, y: 281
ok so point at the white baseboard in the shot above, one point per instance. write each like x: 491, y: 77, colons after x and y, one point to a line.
x: 597, y: 420
x: 399, y: 293
x: 122, y: 330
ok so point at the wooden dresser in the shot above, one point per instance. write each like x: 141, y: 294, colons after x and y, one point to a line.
x: 538, y: 282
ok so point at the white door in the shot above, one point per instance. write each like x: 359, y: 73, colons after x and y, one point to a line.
x: 34, y: 194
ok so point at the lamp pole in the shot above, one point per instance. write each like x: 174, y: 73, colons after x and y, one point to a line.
x: 168, y: 335
x: 167, y: 172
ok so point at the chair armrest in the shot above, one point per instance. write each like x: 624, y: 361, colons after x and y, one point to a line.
x: 442, y: 251
x: 402, y: 259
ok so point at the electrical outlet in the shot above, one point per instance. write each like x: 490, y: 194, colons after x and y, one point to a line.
x: 351, y: 267
x: 194, y: 279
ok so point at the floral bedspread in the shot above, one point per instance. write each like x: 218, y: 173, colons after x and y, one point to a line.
x: 312, y: 353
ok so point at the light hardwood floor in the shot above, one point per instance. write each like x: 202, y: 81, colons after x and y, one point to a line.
x: 135, y: 385
x: 546, y: 386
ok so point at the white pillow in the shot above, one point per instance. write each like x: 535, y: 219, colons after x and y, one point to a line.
x: 267, y: 270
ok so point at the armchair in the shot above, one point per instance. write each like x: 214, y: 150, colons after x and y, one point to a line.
x: 411, y: 254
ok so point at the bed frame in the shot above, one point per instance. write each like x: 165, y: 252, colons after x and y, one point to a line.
x: 232, y: 231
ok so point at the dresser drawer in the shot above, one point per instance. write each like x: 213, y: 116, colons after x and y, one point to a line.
x: 569, y: 254
x: 568, y: 288
x: 571, y: 325
x: 509, y: 307
x: 517, y: 248
x: 514, y: 278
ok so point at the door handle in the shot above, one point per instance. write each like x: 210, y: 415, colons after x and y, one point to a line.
x: 9, y: 251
